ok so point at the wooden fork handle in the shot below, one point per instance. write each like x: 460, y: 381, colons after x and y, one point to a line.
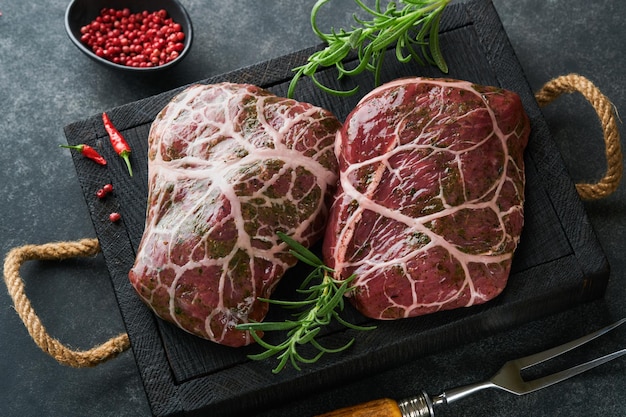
x: 377, y: 408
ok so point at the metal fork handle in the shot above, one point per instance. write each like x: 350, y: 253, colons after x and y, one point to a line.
x: 455, y: 394
x: 423, y: 406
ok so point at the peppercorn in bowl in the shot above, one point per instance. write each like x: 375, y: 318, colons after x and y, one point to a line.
x: 134, y: 36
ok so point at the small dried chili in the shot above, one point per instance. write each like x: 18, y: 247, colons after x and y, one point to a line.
x: 121, y: 147
x: 88, y: 152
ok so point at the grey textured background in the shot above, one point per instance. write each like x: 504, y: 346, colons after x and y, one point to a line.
x: 46, y: 83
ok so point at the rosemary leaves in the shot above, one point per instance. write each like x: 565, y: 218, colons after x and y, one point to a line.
x: 413, y: 25
x: 324, y: 300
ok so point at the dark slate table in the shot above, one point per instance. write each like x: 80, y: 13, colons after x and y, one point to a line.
x: 46, y: 83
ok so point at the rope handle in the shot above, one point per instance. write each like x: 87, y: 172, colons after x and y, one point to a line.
x: 56, y: 251
x: 89, y: 247
x: 606, y: 113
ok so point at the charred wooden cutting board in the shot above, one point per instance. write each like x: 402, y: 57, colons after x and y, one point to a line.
x: 558, y: 264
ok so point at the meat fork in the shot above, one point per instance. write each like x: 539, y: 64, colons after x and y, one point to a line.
x: 508, y: 378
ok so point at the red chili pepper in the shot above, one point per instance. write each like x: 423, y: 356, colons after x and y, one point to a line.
x: 122, y: 148
x: 88, y: 152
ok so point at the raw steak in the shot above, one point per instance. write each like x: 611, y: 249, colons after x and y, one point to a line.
x: 229, y: 165
x: 430, y: 202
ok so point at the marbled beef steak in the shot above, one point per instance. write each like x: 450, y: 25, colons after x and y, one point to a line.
x: 429, y: 208
x: 229, y: 165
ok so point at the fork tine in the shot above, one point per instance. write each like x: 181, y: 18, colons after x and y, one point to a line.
x: 509, y: 378
x: 537, y: 358
x: 548, y: 380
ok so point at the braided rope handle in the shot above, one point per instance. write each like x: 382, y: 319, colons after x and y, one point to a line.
x: 606, y: 113
x: 55, y: 251
x: 89, y: 247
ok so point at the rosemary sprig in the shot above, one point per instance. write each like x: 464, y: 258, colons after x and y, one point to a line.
x: 413, y: 25
x: 323, y: 303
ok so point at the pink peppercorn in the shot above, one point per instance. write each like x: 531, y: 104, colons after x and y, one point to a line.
x: 144, y: 39
x: 106, y: 189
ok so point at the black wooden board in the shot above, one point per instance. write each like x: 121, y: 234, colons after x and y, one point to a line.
x: 558, y: 264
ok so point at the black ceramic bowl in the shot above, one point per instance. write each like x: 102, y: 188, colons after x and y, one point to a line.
x: 81, y: 12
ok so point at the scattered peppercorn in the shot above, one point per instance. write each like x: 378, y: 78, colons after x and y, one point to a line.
x: 115, y: 217
x: 144, y: 39
x: 106, y: 189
